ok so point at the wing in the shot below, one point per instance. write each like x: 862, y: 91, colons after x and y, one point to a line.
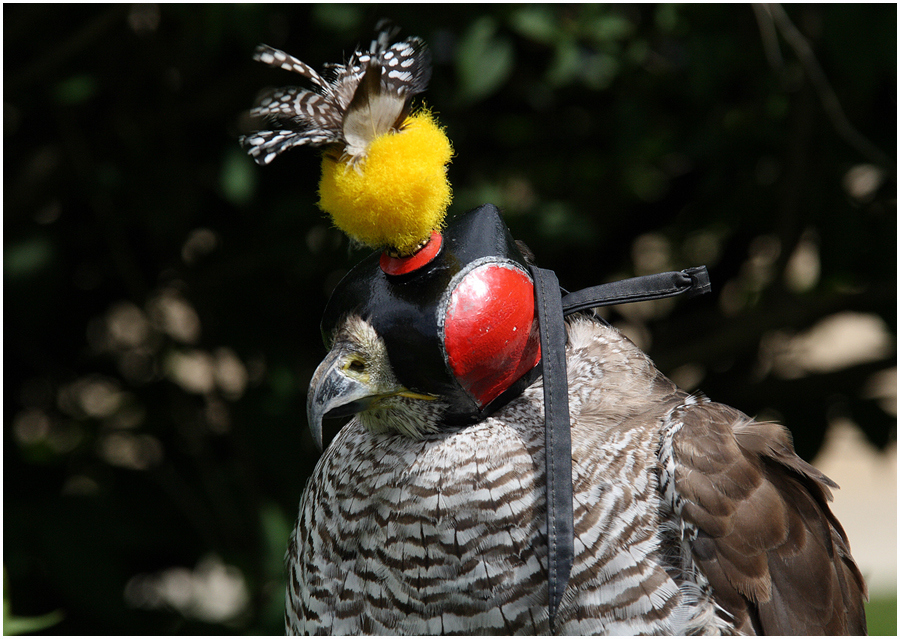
x: 777, y: 559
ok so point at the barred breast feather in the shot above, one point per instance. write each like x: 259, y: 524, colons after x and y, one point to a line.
x: 447, y: 533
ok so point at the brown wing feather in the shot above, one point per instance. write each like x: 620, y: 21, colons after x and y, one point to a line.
x: 776, y: 557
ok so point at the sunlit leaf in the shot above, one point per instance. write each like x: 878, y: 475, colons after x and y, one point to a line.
x: 26, y: 625
x: 537, y: 22
x: 13, y: 625
x: 609, y: 27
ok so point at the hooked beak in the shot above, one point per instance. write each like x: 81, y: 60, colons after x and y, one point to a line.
x: 333, y: 394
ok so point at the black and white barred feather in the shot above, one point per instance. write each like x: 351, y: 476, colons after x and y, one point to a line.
x: 348, y: 107
x: 690, y: 518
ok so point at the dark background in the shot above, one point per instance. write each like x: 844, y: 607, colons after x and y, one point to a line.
x: 162, y: 293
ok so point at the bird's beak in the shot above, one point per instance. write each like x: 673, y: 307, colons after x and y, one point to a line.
x: 333, y: 394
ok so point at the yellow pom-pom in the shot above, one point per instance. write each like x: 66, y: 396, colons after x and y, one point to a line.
x: 398, y: 193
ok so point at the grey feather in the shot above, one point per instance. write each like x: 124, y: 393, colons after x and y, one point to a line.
x: 687, y: 516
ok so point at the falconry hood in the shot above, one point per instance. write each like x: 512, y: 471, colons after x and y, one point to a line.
x: 457, y: 317
x: 460, y: 318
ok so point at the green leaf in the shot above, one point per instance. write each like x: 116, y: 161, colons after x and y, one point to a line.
x: 27, y: 257
x: 24, y: 625
x: 609, y: 28
x: 484, y: 61
x: 238, y: 177
x: 13, y: 625
x: 666, y: 17
x: 338, y: 17
x: 276, y: 532
x: 564, y: 67
x: 536, y: 22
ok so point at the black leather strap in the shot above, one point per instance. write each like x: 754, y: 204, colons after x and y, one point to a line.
x: 551, y: 309
x: 558, y: 436
x: 692, y: 281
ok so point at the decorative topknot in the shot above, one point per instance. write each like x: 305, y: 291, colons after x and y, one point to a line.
x: 399, y: 194
x: 384, y: 179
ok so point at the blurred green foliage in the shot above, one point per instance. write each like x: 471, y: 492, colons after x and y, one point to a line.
x: 163, y: 293
x: 881, y: 616
x: 13, y: 625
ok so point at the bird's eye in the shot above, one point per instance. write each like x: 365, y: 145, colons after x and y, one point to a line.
x: 356, y: 365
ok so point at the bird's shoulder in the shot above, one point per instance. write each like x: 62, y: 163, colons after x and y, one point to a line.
x: 758, y: 523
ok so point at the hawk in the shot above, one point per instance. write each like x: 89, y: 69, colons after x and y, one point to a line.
x: 689, y: 516
x: 505, y: 472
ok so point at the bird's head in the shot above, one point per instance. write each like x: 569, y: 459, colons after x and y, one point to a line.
x: 440, y: 346
x: 356, y: 378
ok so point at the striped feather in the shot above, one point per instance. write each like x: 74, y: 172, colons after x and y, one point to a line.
x: 344, y: 109
x: 447, y: 533
x: 690, y: 518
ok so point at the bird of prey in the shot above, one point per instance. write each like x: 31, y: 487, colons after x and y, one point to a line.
x: 690, y: 517
x: 442, y: 506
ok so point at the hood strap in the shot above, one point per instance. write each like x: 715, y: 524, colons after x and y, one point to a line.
x: 551, y: 307
x: 557, y: 435
x: 691, y: 281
